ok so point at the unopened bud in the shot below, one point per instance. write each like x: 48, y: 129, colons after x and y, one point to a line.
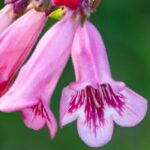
x: 18, y: 5
x: 41, y: 5
x: 73, y: 4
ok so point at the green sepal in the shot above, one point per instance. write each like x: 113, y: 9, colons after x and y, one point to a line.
x: 57, y: 14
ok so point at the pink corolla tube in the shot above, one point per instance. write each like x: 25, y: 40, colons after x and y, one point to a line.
x: 95, y: 100
x: 16, y: 43
x: 36, y: 81
x: 7, y: 16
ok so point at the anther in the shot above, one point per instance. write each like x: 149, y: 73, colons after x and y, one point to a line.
x: 95, y: 100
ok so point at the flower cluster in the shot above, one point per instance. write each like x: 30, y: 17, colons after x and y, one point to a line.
x: 95, y: 99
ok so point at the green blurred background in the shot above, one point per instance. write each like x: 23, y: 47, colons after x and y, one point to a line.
x: 125, y: 27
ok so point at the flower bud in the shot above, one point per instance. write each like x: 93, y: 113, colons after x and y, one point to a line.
x: 18, y: 5
x: 73, y: 4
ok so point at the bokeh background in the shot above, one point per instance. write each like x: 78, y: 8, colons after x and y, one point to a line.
x: 125, y: 27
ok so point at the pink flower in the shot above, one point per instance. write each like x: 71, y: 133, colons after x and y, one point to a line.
x: 16, y: 43
x: 7, y: 16
x: 95, y: 99
x: 36, y: 81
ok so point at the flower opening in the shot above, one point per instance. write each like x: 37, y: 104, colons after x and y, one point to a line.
x: 94, y: 101
x: 38, y: 110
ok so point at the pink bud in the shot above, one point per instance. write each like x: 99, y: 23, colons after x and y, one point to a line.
x: 73, y: 4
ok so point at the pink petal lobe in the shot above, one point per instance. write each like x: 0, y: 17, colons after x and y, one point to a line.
x: 17, y: 42
x: 38, y: 116
x: 32, y: 119
x: 103, y: 133
x: 51, y: 121
x: 134, y: 110
x: 6, y: 17
x: 65, y: 116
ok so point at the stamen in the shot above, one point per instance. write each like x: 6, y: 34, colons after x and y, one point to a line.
x: 95, y: 100
x: 40, y: 106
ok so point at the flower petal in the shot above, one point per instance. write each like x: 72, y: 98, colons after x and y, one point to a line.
x: 51, y: 121
x: 103, y: 133
x: 31, y: 120
x: 134, y: 110
x: 66, y: 117
x: 37, y: 116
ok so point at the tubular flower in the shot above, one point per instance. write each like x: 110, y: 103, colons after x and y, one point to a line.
x: 95, y: 99
x: 16, y: 43
x: 37, y: 79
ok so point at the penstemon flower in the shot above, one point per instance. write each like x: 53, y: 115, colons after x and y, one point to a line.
x: 95, y: 99
x: 37, y: 79
x: 16, y: 43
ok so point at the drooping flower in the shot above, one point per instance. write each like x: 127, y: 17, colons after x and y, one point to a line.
x: 95, y: 100
x: 36, y: 81
x: 16, y: 43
